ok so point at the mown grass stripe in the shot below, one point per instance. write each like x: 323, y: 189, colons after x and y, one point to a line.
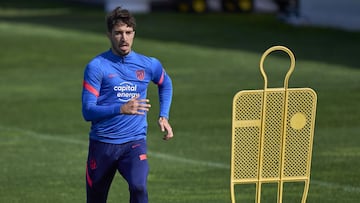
x: 346, y: 188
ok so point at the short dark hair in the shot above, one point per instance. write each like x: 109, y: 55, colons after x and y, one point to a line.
x: 119, y: 15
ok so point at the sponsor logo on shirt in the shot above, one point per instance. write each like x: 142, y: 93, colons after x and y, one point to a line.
x: 126, y: 91
x: 112, y: 75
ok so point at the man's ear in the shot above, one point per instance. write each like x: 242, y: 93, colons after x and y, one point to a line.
x: 108, y: 34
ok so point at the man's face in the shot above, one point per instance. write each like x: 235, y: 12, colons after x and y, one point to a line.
x: 121, y: 38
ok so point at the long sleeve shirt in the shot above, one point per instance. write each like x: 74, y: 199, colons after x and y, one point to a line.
x: 109, y: 82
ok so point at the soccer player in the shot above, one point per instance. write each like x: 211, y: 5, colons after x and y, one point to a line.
x: 114, y: 100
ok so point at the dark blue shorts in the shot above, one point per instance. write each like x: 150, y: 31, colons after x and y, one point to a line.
x: 104, y: 159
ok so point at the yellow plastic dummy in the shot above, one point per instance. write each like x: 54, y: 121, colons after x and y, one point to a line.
x: 272, y: 134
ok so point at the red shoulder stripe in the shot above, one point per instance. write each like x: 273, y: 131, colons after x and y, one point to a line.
x: 161, y: 78
x: 90, y: 88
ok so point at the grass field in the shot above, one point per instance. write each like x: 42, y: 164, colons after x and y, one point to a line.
x: 43, y: 138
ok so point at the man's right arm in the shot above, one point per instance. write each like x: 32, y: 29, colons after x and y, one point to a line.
x: 91, y: 91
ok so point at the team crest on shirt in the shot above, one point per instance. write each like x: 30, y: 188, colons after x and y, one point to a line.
x: 140, y: 74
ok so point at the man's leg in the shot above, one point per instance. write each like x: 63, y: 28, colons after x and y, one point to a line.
x: 134, y: 168
x: 100, y: 171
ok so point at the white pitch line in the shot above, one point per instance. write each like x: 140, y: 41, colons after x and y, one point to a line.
x: 188, y: 161
x: 345, y: 188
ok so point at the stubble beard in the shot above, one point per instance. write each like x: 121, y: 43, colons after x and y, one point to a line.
x: 119, y: 51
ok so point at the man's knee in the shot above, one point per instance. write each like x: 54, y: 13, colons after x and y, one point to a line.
x: 138, y: 188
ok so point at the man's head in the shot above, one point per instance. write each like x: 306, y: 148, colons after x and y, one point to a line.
x: 120, y: 30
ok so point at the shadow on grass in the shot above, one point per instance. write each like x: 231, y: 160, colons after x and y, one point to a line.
x: 248, y: 32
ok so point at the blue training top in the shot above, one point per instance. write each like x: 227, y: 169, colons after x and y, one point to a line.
x: 109, y: 82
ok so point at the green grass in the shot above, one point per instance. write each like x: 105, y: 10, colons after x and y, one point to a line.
x: 43, y: 138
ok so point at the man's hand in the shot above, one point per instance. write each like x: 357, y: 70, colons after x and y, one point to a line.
x: 165, y: 127
x: 135, y: 106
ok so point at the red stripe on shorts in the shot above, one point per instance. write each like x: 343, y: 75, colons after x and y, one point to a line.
x: 143, y: 157
x: 88, y: 179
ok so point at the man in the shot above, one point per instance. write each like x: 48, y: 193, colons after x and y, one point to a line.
x: 114, y: 100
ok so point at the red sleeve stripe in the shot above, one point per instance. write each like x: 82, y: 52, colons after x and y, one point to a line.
x: 161, y: 78
x: 91, y: 89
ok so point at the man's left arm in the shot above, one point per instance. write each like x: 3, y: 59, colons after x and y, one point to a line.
x: 165, y: 90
